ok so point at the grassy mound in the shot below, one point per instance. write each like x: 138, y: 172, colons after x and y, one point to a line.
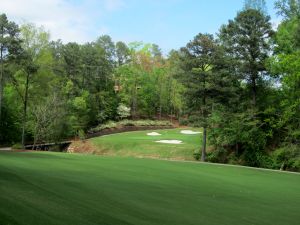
x: 139, y: 144
x: 75, y: 189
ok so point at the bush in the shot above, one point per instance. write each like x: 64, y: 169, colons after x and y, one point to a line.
x: 124, y: 123
x: 233, y: 159
x: 123, y: 111
x: 212, y: 157
x: 17, y: 146
x: 265, y: 161
x: 295, y: 166
x: 183, y: 121
x: 108, y: 125
x: 217, y: 156
x: 197, y: 155
x: 257, y: 158
x: 81, y: 135
x: 127, y: 123
x: 287, y: 158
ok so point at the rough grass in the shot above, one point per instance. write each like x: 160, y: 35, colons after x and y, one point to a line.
x: 76, y: 189
x: 140, y: 145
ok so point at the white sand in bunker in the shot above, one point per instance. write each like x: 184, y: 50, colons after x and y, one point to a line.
x: 153, y: 134
x: 174, y: 142
x: 189, y: 132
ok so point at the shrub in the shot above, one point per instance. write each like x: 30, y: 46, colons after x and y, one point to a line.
x: 183, y: 121
x: 265, y: 161
x: 81, y: 135
x: 140, y: 123
x: 197, y: 155
x: 108, y: 125
x: 257, y: 158
x: 233, y: 159
x: 217, y: 156
x: 123, y: 111
x: 287, y: 158
x: 127, y: 123
x: 212, y: 157
x: 295, y: 166
x: 17, y: 146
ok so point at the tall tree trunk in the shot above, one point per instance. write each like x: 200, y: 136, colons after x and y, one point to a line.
x: 25, y: 101
x: 204, y: 114
x: 134, y: 105
x: 35, y: 137
x: 203, y: 154
x: 134, y: 100
x: 34, y: 143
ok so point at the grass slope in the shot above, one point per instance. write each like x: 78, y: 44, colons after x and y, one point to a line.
x: 139, y: 144
x: 73, y: 189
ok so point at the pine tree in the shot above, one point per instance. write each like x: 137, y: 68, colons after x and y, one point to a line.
x: 247, y: 40
x: 207, y: 80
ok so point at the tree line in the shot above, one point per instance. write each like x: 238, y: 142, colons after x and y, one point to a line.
x: 50, y: 91
x: 241, y: 85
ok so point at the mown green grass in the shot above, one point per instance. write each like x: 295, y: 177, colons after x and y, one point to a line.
x: 73, y: 189
x: 139, y: 144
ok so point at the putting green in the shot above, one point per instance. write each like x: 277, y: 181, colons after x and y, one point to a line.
x: 73, y: 189
x: 140, y: 144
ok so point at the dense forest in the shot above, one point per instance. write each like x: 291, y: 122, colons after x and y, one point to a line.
x: 241, y: 85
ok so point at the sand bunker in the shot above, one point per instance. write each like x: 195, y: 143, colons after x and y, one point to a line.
x: 189, y: 132
x: 174, y: 142
x: 153, y: 134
